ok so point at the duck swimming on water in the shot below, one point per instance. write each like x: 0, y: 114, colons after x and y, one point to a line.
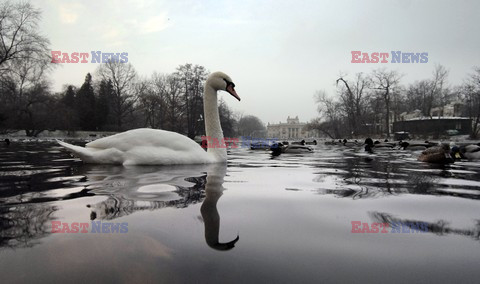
x: 439, y: 155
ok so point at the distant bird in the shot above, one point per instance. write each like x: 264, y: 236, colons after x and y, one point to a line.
x: 414, y: 146
x: 299, y: 143
x: 7, y: 141
x: 437, y: 154
x: 259, y: 146
x: 471, y: 152
x: 314, y: 142
x: 456, y: 153
x: 279, y: 148
x: 347, y: 143
x: 369, y: 145
x: 384, y: 144
x: 297, y: 149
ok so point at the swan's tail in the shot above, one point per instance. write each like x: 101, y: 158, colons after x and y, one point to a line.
x: 94, y: 155
x: 83, y: 153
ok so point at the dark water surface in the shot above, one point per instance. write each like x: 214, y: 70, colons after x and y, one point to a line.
x: 292, y: 215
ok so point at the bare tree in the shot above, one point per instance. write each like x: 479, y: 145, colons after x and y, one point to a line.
x: 251, y: 125
x: 331, y: 120
x: 384, y: 82
x: 19, y: 36
x: 148, y: 102
x: 426, y: 95
x: 418, y: 97
x: 353, y: 101
x: 192, y: 78
x: 470, y: 91
x: 175, y: 114
x: 123, y: 77
x: 438, y: 88
x: 25, y: 94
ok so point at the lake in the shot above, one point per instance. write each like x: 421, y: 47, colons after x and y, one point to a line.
x: 260, y: 218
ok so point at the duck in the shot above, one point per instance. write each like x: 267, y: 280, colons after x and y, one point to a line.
x: 347, y: 143
x: 437, y: 154
x: 456, y: 153
x: 471, y: 152
x: 259, y: 146
x: 384, y: 144
x: 370, y: 145
x: 414, y: 146
x: 299, y: 143
x: 7, y: 141
x: 298, y: 149
x: 278, y: 148
x: 147, y: 146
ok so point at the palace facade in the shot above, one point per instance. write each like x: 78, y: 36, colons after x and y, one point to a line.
x: 293, y: 128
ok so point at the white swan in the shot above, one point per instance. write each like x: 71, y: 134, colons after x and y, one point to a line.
x: 159, y: 147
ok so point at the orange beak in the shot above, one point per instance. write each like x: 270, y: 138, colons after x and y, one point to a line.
x: 232, y: 92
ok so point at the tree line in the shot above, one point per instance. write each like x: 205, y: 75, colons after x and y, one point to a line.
x: 367, y: 104
x: 113, y: 98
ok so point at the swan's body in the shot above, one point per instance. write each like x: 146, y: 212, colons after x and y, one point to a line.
x: 142, y: 147
x: 160, y: 147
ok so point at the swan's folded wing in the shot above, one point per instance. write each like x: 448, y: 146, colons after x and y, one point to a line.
x: 144, y: 137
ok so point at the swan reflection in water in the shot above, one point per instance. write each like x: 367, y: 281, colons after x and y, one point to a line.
x: 164, y: 189
x: 211, y: 218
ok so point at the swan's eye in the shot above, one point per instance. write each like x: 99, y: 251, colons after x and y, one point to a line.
x: 229, y: 83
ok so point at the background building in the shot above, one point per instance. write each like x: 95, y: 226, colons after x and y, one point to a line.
x: 293, y: 128
x: 436, y: 126
x: 446, y: 120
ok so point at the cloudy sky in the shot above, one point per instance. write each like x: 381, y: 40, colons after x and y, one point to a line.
x: 279, y: 53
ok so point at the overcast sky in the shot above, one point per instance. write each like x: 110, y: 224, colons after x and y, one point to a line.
x: 279, y: 53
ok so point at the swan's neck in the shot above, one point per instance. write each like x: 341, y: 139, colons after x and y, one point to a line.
x: 213, y: 128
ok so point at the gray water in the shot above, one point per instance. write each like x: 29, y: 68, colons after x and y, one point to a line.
x: 292, y: 215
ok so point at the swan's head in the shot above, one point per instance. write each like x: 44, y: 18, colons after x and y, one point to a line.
x: 220, y: 81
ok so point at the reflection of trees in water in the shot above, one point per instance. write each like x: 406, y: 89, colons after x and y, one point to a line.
x: 440, y: 227
x: 361, y: 177
x: 370, y: 178
x: 24, y: 225
x: 31, y: 169
x: 118, y: 205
